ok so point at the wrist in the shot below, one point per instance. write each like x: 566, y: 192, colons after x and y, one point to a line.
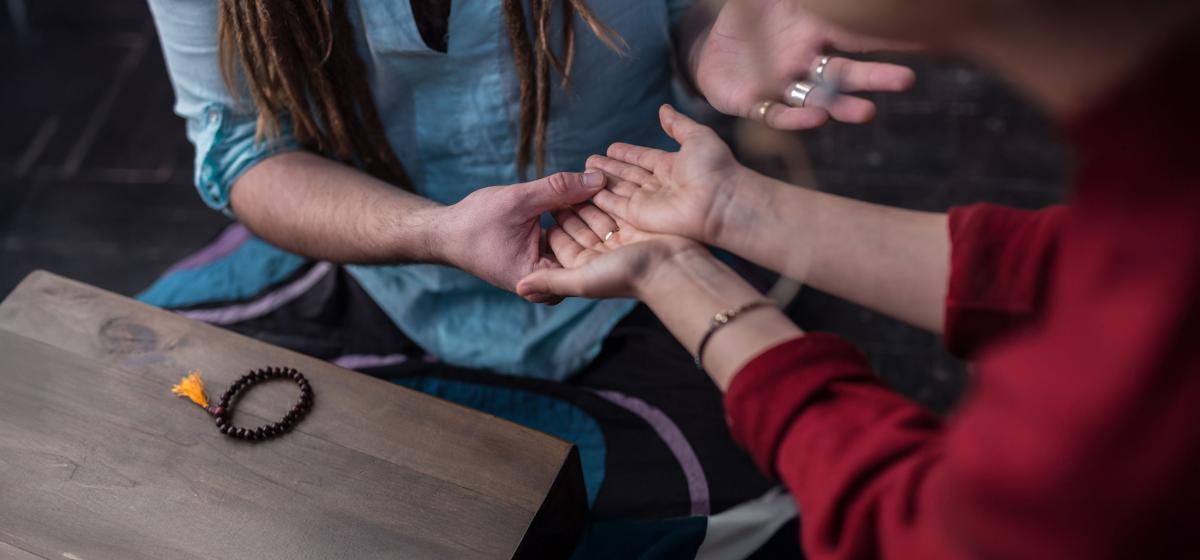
x: 400, y: 229
x: 741, y: 204
x: 668, y: 274
x: 774, y: 224
x: 690, y: 288
x: 436, y: 235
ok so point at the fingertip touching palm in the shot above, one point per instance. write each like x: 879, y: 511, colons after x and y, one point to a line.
x: 600, y: 256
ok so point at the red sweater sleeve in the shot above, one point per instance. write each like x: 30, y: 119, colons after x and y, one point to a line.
x: 999, y: 266
x: 853, y: 453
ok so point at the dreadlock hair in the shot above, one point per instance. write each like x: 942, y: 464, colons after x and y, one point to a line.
x: 300, y: 61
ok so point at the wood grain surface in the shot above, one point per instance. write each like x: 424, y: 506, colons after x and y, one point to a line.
x: 98, y: 460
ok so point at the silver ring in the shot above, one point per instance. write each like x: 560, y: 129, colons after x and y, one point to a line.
x: 820, y: 70
x: 762, y: 108
x: 609, y: 235
x: 798, y: 92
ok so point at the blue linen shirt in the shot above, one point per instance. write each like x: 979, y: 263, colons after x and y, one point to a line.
x: 452, y: 120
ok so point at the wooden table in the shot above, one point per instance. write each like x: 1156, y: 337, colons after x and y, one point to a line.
x: 98, y: 460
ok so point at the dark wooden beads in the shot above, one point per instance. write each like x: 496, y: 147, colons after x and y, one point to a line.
x: 222, y: 410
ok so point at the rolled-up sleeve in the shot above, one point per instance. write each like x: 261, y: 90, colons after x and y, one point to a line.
x: 221, y: 127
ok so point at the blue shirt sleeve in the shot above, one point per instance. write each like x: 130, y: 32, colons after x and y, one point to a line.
x: 222, y: 128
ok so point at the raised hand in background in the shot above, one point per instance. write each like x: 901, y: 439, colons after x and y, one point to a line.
x: 756, y: 48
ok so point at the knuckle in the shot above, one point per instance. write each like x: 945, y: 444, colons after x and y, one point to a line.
x: 559, y: 183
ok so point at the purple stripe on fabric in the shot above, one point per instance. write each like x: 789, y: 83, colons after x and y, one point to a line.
x: 263, y: 305
x: 678, y: 444
x: 230, y: 239
x: 359, y: 361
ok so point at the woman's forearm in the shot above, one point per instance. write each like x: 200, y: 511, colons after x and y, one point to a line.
x: 892, y: 260
x: 689, y: 289
x: 322, y: 209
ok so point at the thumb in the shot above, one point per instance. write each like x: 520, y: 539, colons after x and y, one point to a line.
x: 549, y: 284
x: 559, y: 191
x: 679, y: 126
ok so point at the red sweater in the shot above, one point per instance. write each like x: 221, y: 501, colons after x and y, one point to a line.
x: 1081, y: 435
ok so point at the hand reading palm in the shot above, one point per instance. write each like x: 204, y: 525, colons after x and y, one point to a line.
x: 600, y: 257
x: 498, y: 229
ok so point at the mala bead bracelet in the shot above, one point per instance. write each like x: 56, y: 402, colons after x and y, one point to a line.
x: 192, y: 387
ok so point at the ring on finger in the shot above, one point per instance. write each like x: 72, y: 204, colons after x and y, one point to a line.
x: 763, y: 108
x: 799, y: 92
x: 609, y: 235
x: 819, y: 72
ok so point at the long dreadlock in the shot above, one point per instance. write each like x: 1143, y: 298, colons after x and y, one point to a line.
x: 300, y: 61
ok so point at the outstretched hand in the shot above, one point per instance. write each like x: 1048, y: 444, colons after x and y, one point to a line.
x: 690, y: 193
x: 756, y: 48
x: 600, y: 257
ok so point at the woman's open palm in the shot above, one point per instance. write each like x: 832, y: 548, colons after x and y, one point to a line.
x: 681, y: 193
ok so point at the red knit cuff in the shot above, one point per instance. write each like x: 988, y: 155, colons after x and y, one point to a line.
x: 999, y: 262
x: 771, y: 392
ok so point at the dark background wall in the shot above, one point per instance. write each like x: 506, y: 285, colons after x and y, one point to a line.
x: 95, y: 172
x: 94, y: 168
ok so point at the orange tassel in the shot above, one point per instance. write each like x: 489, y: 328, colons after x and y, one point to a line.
x: 192, y: 387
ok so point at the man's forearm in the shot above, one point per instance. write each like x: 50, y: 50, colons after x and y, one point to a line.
x: 322, y: 209
x: 892, y: 260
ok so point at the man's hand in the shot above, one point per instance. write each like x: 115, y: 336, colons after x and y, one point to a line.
x: 495, y: 233
x: 756, y: 48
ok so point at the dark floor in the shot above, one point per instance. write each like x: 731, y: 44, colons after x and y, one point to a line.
x: 95, y: 173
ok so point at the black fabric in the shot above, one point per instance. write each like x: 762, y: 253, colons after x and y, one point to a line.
x: 334, y: 318
x: 783, y: 543
x: 641, y: 358
x: 433, y: 22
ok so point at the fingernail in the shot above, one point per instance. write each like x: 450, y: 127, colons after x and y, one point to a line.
x: 592, y: 179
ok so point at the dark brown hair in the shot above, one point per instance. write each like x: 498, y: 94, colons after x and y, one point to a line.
x: 300, y: 61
